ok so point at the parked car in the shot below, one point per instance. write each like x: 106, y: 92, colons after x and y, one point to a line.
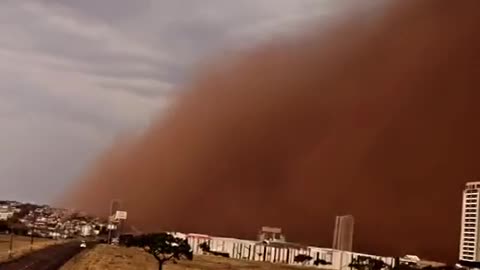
x: 83, y: 244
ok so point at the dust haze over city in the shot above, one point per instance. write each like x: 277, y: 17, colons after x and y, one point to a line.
x: 371, y: 113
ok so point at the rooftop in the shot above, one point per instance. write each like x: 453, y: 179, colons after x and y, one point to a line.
x: 472, y: 185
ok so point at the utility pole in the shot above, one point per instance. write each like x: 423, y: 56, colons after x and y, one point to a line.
x: 121, y: 228
x: 110, y: 226
x: 31, y: 237
x: 33, y: 231
x: 10, y: 249
x: 109, y: 232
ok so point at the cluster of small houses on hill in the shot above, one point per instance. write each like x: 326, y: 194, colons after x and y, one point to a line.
x: 46, y: 221
x: 280, y: 251
x: 8, y: 209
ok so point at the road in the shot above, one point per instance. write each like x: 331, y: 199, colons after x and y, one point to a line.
x: 49, y: 258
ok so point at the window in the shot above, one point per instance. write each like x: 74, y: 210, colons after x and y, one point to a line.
x: 471, y: 200
x: 468, y: 240
x: 471, y: 205
x: 467, y: 258
x: 469, y: 230
x: 471, y: 215
x: 470, y: 220
x: 469, y: 235
x: 468, y: 248
x: 469, y: 244
x: 472, y: 196
x: 470, y: 225
x: 470, y: 210
x: 468, y: 253
x: 471, y: 191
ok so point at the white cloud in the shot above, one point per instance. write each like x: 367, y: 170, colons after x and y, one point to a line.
x: 62, y: 20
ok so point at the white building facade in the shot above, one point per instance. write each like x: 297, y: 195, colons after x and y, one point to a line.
x: 6, y: 212
x: 86, y: 230
x: 277, y: 252
x: 343, y: 233
x: 469, y: 238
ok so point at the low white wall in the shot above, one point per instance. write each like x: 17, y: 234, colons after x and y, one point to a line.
x: 256, y: 251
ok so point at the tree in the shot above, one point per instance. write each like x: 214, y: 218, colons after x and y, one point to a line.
x: 302, y: 258
x: 4, y: 226
x: 125, y: 238
x: 25, y: 209
x: 318, y: 262
x: 205, y: 247
x: 367, y: 263
x: 20, y: 230
x: 163, y: 247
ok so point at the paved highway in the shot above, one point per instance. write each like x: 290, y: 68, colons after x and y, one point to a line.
x: 50, y: 258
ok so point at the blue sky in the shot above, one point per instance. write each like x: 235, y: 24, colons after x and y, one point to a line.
x: 75, y: 75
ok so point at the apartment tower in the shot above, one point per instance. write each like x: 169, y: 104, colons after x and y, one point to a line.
x: 343, y: 233
x: 469, y: 238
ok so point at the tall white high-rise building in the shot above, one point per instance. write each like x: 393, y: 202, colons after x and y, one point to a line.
x: 470, y: 237
x: 343, y: 233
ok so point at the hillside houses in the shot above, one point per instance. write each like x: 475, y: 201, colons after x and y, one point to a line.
x: 7, y: 210
x: 46, y: 221
x: 6, y: 213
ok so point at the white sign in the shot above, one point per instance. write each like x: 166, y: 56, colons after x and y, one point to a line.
x: 271, y: 229
x: 121, y: 215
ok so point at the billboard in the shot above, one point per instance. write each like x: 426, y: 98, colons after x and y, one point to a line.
x: 268, y: 229
x: 120, y: 215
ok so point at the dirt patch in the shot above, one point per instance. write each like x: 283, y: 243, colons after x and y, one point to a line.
x: 106, y: 257
x: 21, y: 245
